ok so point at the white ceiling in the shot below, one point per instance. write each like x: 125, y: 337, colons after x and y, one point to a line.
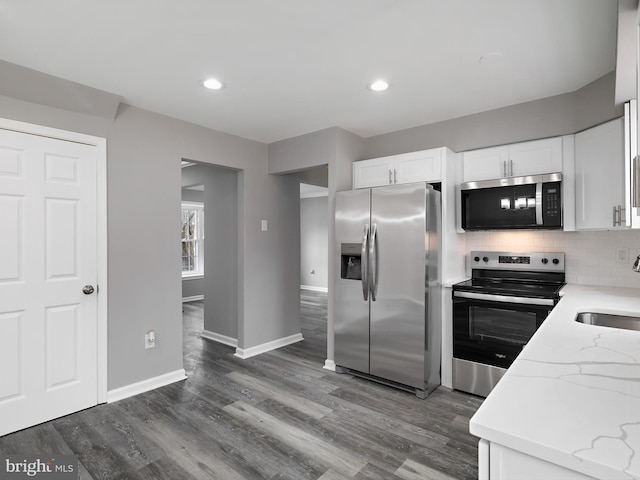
x: 297, y: 66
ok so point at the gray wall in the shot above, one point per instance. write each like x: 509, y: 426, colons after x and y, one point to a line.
x: 192, y: 287
x: 143, y: 175
x: 336, y: 148
x: 303, y: 152
x: 548, y: 117
x: 220, y: 246
x: 314, y: 235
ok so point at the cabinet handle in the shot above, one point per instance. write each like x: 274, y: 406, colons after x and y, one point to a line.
x: 511, y: 168
x: 390, y: 180
x: 504, y: 168
x: 617, y: 216
x: 395, y: 176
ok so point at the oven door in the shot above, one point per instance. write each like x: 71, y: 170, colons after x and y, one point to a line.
x: 492, y: 329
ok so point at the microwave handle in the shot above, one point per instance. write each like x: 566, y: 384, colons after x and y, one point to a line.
x: 539, y: 219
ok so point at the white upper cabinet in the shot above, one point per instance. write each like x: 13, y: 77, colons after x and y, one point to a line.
x: 373, y: 173
x: 422, y: 166
x: 515, y: 160
x: 485, y: 164
x: 600, y: 181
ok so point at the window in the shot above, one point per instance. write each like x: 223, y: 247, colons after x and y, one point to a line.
x: 192, y: 239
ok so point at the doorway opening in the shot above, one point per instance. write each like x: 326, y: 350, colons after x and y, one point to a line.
x: 210, y: 247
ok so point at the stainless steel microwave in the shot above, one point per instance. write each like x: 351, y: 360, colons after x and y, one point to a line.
x: 531, y: 202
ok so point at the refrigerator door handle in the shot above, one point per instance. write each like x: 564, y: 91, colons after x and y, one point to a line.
x: 364, y: 263
x: 373, y: 261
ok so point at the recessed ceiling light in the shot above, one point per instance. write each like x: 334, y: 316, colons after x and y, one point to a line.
x: 213, y: 84
x: 378, y: 86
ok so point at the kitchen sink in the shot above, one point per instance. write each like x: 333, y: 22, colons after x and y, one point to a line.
x: 626, y: 322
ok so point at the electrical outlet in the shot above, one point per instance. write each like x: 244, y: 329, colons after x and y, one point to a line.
x: 150, y: 339
x: 622, y: 255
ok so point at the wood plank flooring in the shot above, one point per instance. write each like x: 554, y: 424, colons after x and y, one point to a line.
x: 277, y: 416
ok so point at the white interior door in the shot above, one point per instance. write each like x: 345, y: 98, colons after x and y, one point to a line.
x: 48, y: 253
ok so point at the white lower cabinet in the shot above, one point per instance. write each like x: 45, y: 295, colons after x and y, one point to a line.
x: 496, y: 462
x: 599, y: 176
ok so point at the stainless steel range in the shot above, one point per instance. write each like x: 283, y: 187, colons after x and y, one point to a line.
x: 498, y: 310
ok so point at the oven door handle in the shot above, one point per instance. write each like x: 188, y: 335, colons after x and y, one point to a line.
x: 505, y: 298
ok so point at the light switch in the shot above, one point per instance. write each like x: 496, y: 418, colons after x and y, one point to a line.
x: 264, y: 225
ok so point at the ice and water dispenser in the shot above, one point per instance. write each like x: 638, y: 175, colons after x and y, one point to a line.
x: 350, y: 257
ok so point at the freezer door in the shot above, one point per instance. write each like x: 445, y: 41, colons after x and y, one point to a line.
x: 351, y: 307
x: 397, y: 335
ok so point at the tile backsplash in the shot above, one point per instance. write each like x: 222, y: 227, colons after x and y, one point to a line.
x: 591, y: 257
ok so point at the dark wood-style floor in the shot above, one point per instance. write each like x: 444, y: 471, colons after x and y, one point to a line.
x: 279, y: 415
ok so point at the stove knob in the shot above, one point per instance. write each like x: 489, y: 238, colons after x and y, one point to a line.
x: 545, y: 261
x: 485, y: 259
x: 556, y: 261
x: 476, y: 259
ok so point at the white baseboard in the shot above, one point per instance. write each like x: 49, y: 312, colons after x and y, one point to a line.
x: 145, y: 385
x: 330, y: 365
x: 267, y: 347
x: 216, y: 337
x: 314, y: 289
x: 192, y: 299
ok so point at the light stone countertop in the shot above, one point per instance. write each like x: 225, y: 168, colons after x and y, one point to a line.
x: 572, y: 397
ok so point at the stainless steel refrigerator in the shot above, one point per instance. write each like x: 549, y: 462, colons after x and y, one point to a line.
x: 387, y: 316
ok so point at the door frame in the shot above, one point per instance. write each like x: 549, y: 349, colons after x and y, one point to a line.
x: 101, y: 191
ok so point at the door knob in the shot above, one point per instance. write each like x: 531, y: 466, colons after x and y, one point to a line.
x: 88, y: 289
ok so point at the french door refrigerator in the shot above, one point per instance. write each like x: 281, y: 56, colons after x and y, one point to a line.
x: 387, y: 316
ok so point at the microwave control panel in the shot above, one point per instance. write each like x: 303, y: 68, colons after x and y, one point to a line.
x: 552, y: 204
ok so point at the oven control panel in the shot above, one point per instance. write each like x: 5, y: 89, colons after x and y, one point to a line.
x: 539, y: 261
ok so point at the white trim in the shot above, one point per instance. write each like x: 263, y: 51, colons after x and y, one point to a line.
x: 245, y: 353
x: 194, y: 298
x: 192, y: 276
x: 314, y: 289
x: 33, y: 129
x: 101, y: 192
x: 216, y: 337
x: 192, y: 205
x: 103, y: 283
x: 330, y: 365
x: 145, y: 385
x: 314, y: 194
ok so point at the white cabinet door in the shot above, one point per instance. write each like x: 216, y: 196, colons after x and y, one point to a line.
x: 373, y: 173
x: 533, y: 158
x: 599, y: 159
x: 508, y: 464
x: 485, y: 164
x: 418, y: 167
x: 48, y: 253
